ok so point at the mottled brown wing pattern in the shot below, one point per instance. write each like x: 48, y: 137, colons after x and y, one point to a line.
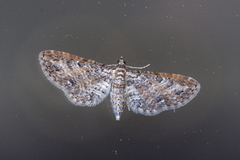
x: 150, y: 93
x: 85, y: 82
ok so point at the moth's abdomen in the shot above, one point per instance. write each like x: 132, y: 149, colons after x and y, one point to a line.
x: 117, y: 94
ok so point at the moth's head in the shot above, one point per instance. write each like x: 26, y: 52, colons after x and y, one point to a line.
x: 121, y: 61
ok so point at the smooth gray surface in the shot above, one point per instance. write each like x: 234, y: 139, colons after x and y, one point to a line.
x: 194, y: 38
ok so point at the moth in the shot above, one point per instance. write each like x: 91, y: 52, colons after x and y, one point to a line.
x: 87, y: 83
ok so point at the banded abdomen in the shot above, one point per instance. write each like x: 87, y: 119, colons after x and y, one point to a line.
x: 117, y: 93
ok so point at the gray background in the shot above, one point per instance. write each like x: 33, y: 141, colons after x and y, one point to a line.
x: 190, y: 37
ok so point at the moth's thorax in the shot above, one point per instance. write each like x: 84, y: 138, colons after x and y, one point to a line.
x: 117, y: 93
x: 121, y: 61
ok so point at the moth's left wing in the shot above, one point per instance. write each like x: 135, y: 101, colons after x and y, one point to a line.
x: 84, y: 82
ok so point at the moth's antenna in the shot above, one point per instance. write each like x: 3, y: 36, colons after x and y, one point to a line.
x: 139, y: 67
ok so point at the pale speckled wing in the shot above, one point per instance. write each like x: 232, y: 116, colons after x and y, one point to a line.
x: 150, y: 93
x: 85, y: 82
